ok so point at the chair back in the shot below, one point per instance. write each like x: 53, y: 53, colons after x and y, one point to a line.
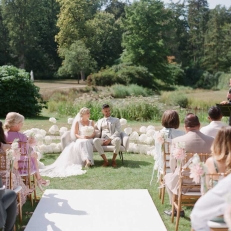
x: 166, y: 157
x: 5, y: 170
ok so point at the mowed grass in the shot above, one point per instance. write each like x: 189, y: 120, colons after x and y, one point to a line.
x: 134, y: 173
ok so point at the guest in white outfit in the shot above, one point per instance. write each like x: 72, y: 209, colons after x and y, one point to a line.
x: 215, y: 125
x: 109, y: 129
x: 171, y: 122
x: 211, y: 205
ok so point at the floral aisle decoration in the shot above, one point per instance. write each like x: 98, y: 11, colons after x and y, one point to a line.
x: 178, y: 152
x: 159, y: 138
x: 198, y: 171
x: 123, y: 122
x: 13, y: 153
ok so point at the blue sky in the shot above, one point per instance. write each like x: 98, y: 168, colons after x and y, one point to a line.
x: 212, y: 3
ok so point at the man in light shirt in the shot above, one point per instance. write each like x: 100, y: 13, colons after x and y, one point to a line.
x: 215, y: 125
x: 211, y: 205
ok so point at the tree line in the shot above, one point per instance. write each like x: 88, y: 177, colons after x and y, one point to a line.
x: 144, y: 42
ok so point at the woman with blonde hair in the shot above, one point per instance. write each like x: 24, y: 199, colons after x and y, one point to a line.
x: 79, y: 152
x: 220, y: 161
x: 13, y: 125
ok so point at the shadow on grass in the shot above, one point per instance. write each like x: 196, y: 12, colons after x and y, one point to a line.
x: 125, y: 164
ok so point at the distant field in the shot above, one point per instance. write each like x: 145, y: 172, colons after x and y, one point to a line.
x: 51, y: 85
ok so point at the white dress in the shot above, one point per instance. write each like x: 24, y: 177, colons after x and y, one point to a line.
x: 70, y: 161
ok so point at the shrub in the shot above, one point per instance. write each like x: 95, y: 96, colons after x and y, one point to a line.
x: 223, y: 80
x: 121, y: 91
x: 122, y: 74
x: 18, y: 93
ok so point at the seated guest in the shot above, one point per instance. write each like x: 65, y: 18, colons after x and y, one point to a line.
x: 8, y: 208
x: 171, y: 122
x: 195, y: 142
x: 215, y: 125
x: 220, y: 162
x: 17, y: 181
x: 210, y: 205
x: 109, y: 128
x: 13, y: 125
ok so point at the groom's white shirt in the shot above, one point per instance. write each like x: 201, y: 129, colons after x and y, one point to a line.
x: 113, y: 125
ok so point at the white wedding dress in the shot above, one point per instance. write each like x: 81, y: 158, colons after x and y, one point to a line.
x: 70, y: 161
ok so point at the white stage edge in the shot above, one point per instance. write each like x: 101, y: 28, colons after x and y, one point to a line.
x: 96, y: 210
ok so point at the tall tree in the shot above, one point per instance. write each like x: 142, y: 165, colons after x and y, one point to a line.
x: 104, y: 36
x: 197, y: 19
x: 145, y: 25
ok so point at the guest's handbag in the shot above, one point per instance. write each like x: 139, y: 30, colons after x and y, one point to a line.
x: 2, y: 209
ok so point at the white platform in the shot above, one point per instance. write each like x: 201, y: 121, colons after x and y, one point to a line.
x: 96, y: 210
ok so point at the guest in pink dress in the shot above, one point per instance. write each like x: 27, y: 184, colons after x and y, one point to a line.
x: 17, y: 181
x: 13, y: 125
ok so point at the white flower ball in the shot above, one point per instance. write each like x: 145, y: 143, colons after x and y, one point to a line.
x: 49, y: 149
x: 128, y: 130
x: 53, y: 129
x: 48, y: 140
x: 28, y: 132
x: 149, y: 140
x: 150, y: 127
x: 143, y: 129
x: 150, y: 133
x: 134, y: 136
x: 42, y: 148
x: 123, y: 121
x: 62, y: 130
x: 42, y: 132
x: 39, y: 139
x: 70, y: 120
x: 52, y: 120
x: 56, y: 149
x: 143, y: 138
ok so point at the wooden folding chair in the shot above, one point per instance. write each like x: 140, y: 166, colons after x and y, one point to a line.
x: 166, y: 169
x: 188, y: 192
x: 24, y: 168
x: 7, y: 179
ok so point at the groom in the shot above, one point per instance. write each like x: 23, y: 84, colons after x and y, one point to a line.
x: 109, y: 128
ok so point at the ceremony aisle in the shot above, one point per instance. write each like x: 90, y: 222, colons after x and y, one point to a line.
x: 135, y: 173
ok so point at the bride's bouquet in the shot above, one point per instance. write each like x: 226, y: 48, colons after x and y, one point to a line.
x: 87, y: 130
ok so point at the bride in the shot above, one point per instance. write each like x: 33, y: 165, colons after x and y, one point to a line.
x: 78, y: 153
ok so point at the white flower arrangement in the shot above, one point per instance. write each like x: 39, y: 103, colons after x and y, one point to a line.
x: 143, y: 138
x: 123, y: 121
x: 87, y: 130
x: 48, y: 139
x: 143, y: 129
x: 150, y: 127
x: 52, y: 120
x: 150, y: 132
x: 134, y: 136
x: 62, y: 130
x: 128, y: 130
x: 53, y: 129
x: 70, y: 120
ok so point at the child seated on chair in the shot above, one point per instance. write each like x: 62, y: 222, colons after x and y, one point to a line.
x: 13, y: 125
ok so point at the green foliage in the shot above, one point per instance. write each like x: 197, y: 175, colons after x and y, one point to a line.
x: 144, y: 39
x: 174, y: 99
x: 177, y: 73
x: 122, y: 74
x: 223, y: 80
x: 76, y: 59
x: 18, y: 93
x: 132, y: 108
x: 121, y: 91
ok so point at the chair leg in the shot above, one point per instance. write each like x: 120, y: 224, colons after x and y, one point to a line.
x: 173, y: 208
x: 20, y: 208
x: 162, y: 195
x: 121, y: 156
x: 178, y: 213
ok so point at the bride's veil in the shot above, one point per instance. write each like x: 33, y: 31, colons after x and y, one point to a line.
x: 76, y: 119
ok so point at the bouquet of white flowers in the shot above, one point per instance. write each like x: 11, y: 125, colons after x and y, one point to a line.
x: 87, y: 130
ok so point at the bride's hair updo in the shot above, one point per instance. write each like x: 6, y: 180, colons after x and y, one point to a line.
x: 83, y: 111
x: 13, y: 119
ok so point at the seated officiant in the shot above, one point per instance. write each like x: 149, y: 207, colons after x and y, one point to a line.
x: 109, y: 129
